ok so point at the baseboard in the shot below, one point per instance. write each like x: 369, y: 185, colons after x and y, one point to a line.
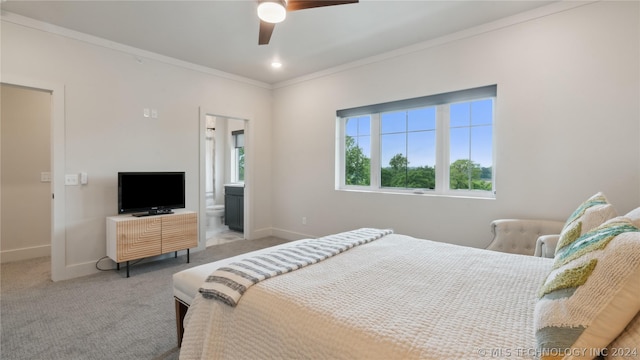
x: 259, y: 234
x: 89, y: 267
x: 78, y: 270
x: 25, y: 253
x: 290, y: 235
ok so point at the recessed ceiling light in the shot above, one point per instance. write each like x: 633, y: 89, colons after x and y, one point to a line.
x: 276, y: 64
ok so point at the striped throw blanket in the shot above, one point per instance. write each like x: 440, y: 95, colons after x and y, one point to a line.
x: 227, y: 284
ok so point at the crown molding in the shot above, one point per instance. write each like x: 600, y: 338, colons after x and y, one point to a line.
x: 13, y: 18
x: 523, y: 17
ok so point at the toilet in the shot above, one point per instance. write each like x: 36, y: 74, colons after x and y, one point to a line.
x: 215, y: 216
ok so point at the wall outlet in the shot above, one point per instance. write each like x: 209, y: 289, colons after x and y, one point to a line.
x: 304, y: 220
x: 71, y: 179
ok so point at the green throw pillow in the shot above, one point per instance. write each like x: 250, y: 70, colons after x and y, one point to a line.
x: 591, y: 293
x: 591, y: 213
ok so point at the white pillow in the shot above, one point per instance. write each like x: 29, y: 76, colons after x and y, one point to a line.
x: 627, y: 345
x: 634, y: 216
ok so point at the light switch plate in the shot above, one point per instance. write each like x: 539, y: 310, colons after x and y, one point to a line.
x: 45, y: 176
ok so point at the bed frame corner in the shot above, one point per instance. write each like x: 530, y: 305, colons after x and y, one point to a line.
x: 181, y: 311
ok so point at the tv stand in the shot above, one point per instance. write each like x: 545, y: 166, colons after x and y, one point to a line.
x: 132, y: 238
x: 153, y: 212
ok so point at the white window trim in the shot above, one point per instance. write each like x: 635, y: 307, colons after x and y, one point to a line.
x: 235, y: 163
x: 442, y: 157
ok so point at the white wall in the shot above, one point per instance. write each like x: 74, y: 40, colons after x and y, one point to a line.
x: 106, y: 90
x: 26, y: 200
x: 567, y: 126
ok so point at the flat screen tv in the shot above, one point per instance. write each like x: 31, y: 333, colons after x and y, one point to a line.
x: 150, y: 193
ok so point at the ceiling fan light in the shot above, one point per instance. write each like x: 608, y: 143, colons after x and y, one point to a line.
x: 272, y: 11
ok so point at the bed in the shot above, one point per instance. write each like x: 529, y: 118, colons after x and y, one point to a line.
x: 399, y: 297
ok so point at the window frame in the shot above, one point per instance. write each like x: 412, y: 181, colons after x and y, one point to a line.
x: 238, y: 137
x: 442, y: 103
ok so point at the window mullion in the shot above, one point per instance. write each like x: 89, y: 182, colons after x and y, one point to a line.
x: 375, y: 152
x: 340, y: 153
x: 442, y: 149
x: 406, y: 149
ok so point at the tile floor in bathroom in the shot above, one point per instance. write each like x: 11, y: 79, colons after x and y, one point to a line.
x: 223, y: 237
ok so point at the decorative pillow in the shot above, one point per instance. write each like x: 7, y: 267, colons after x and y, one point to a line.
x: 591, y: 213
x: 634, y: 216
x: 627, y: 345
x: 591, y: 293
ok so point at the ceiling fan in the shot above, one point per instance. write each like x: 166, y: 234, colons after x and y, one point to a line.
x: 272, y: 12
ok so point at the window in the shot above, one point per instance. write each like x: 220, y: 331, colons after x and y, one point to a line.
x: 238, y: 156
x: 440, y: 144
x: 408, y: 148
x: 358, y: 151
x: 470, y: 145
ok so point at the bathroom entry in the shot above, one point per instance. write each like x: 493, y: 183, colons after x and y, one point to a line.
x: 224, y: 179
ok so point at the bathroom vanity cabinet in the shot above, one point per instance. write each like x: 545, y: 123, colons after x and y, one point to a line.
x: 234, y: 207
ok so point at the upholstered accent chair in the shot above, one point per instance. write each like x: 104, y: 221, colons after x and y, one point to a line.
x: 525, y: 236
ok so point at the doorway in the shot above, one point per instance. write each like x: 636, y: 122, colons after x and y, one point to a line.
x: 224, y: 179
x: 59, y: 270
x: 25, y: 195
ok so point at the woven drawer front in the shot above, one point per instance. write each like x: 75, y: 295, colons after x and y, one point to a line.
x: 179, y: 232
x: 138, y: 239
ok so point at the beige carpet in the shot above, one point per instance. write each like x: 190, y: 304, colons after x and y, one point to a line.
x: 101, y: 316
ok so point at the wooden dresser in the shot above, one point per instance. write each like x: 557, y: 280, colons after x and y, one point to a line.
x: 131, y: 238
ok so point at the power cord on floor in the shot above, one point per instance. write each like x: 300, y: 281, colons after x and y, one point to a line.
x: 98, y: 262
x: 106, y: 257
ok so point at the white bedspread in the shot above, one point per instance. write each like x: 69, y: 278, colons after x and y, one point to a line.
x: 394, y: 298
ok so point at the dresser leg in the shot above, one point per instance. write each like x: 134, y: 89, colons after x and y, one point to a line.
x: 187, y: 256
x: 127, y: 268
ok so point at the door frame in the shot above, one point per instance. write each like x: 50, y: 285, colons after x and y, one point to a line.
x: 58, y: 223
x: 248, y: 174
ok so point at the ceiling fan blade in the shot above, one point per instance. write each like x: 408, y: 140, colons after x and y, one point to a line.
x: 266, y: 29
x: 293, y: 5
